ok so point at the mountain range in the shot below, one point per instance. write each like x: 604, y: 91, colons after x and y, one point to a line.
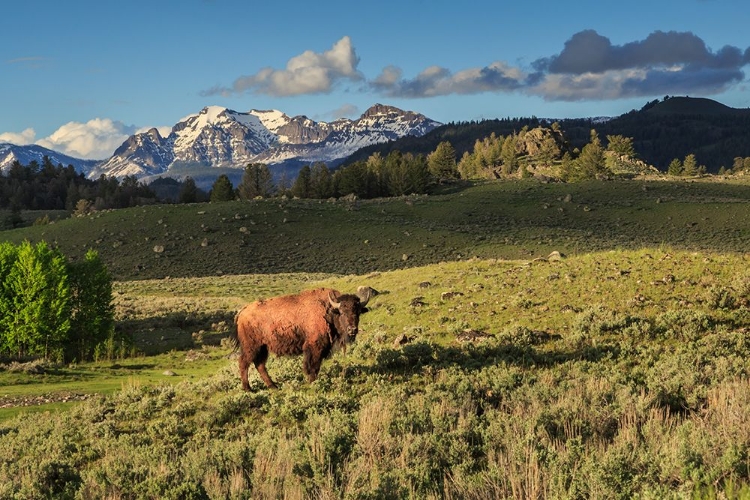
x: 219, y: 140
x: 224, y: 139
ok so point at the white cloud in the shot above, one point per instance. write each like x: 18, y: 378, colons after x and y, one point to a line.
x: 308, y: 73
x: 96, y: 139
x: 19, y: 139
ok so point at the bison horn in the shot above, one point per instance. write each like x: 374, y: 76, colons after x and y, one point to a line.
x: 332, y: 300
x: 365, y: 293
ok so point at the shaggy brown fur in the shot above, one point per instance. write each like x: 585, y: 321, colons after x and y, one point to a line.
x: 308, y: 323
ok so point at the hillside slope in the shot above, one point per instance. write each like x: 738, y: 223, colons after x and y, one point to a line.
x: 523, y: 219
x: 661, y: 131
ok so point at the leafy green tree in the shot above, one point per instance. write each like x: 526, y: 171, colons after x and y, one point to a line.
x: 442, y: 162
x: 257, y: 180
x: 675, y: 167
x: 302, y: 187
x: 39, y: 321
x: 222, y: 189
x: 92, y: 311
x: 188, y: 191
x: 8, y: 257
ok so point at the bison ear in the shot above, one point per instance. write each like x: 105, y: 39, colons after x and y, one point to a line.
x: 332, y: 300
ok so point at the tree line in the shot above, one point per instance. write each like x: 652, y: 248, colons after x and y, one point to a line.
x: 53, y: 307
x: 517, y: 153
x: 47, y: 186
x: 393, y: 175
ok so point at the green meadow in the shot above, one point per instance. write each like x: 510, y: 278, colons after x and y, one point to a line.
x: 529, y: 340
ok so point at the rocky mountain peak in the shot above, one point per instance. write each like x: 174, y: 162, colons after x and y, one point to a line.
x: 220, y: 137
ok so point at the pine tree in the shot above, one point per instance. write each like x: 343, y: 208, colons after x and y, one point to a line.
x: 188, y: 191
x: 591, y: 161
x: 257, y: 180
x: 302, y: 184
x: 675, y: 167
x: 222, y: 189
x: 442, y: 162
x: 690, y: 166
x: 321, y: 181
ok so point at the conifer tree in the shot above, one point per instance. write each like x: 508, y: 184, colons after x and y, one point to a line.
x: 222, y: 189
x: 442, y: 162
x: 675, y: 167
x: 321, y: 181
x: 690, y: 166
x: 188, y: 191
x: 302, y: 184
x: 591, y: 161
x: 257, y: 180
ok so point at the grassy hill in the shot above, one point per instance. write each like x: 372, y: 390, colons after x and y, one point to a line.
x: 618, y: 370
x: 493, y: 220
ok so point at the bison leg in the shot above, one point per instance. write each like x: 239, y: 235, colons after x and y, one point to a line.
x: 260, y: 364
x: 244, y: 365
x: 311, y: 363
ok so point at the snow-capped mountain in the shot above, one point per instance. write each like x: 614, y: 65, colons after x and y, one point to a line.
x: 220, y: 137
x: 26, y: 154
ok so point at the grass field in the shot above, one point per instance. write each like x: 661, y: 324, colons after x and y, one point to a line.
x: 512, y: 220
x: 483, y: 369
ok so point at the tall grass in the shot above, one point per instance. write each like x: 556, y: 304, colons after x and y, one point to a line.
x: 607, y: 375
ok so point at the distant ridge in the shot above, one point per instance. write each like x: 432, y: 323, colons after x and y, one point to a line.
x: 10, y: 153
x: 693, y: 106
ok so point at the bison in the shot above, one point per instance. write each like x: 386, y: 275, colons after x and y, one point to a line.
x: 310, y: 323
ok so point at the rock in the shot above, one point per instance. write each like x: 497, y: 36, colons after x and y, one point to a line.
x: 168, y: 373
x: 450, y: 295
x: 159, y: 248
x: 470, y: 335
x: 417, y: 302
x: 555, y: 256
x: 204, y: 243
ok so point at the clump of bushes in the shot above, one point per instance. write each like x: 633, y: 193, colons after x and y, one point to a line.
x: 51, y: 307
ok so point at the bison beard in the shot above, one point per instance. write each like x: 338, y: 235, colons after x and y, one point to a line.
x: 309, y: 323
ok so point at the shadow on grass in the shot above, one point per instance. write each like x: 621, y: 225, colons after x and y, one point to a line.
x: 412, y: 358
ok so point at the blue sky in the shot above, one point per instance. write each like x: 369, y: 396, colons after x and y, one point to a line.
x: 80, y: 76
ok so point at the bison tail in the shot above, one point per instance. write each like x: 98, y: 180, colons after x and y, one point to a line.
x: 234, y: 339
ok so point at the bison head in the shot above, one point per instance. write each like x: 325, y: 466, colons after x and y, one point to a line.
x: 345, y: 311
